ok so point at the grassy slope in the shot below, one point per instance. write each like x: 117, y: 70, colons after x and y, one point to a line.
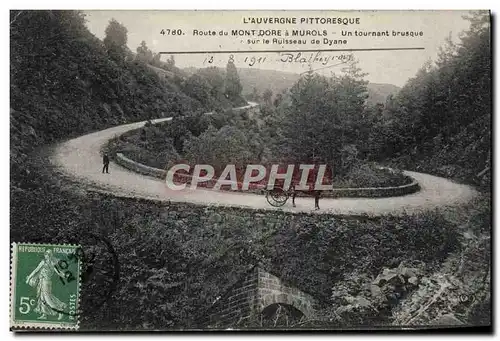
x: 176, y: 258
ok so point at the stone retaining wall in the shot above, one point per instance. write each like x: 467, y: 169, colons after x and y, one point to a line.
x: 366, y: 192
x: 137, y: 167
x: 251, y: 296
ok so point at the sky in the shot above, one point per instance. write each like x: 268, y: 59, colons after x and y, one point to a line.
x: 431, y: 28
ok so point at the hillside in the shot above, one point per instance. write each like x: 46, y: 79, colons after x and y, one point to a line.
x: 440, y: 121
x: 378, y: 92
x: 63, y: 82
x: 278, y: 81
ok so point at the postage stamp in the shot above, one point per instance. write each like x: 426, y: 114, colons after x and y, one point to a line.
x: 45, y: 286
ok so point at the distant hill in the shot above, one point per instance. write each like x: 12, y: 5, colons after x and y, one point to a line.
x: 378, y: 92
x: 278, y: 81
x: 162, y: 72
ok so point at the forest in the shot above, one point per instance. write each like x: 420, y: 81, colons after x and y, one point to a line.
x: 65, y: 81
x: 438, y: 123
x: 365, y: 271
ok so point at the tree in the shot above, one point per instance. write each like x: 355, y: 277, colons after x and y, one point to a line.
x: 232, y: 84
x: 277, y: 101
x: 116, y: 40
x: 156, y: 60
x: 197, y: 87
x: 350, y: 96
x: 255, y: 96
x: 144, y: 54
x: 324, y: 116
x: 267, y: 96
x: 171, y: 62
x: 441, y: 118
x: 219, y: 148
x: 215, y: 78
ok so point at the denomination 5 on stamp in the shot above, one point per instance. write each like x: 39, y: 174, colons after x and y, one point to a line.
x: 45, y: 286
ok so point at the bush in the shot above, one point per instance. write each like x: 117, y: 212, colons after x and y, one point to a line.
x: 459, y: 291
x: 361, y: 300
x: 369, y: 175
x: 339, y: 246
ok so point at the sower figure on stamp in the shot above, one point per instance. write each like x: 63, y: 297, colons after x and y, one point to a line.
x: 105, y: 161
x: 41, y: 280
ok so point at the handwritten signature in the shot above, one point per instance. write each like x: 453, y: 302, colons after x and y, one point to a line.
x: 313, y: 57
x: 285, y: 57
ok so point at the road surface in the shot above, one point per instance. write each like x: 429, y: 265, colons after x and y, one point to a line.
x: 80, y: 159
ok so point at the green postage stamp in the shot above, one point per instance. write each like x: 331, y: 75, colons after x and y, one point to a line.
x: 45, y: 286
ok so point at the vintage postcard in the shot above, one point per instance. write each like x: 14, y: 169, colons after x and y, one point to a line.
x: 250, y: 170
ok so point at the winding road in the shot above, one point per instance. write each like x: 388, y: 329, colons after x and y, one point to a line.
x: 80, y: 159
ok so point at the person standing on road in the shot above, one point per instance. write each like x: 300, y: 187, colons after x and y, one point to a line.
x: 317, y: 194
x: 294, y: 192
x: 105, y: 161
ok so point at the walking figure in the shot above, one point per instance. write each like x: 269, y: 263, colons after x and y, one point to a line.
x: 105, y: 161
x: 47, y: 304
x: 316, y: 194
